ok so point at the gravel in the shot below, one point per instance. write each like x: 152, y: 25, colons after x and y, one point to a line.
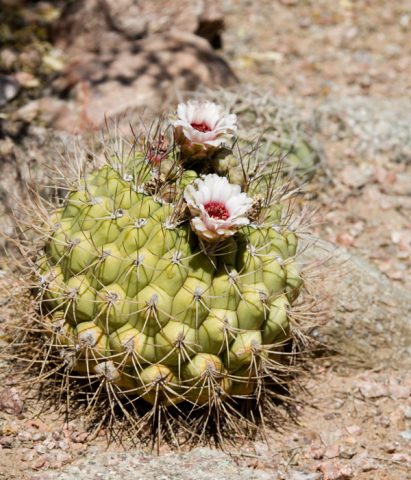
x: 199, y: 464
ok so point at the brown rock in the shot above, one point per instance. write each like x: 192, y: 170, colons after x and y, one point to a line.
x: 7, y: 58
x: 317, y: 453
x: 10, y: 401
x: 333, y: 451
x: 39, y: 463
x: 399, y: 391
x: 126, y: 16
x: 354, y: 429
x: 365, y: 463
x: 355, y: 177
x: 402, y: 458
x: 335, y: 471
x: 390, y: 448
x: 58, y: 459
x: 147, y: 75
x: 7, y: 442
x: 27, y: 80
x: 6, y: 147
x: 79, y: 437
x: 373, y: 389
x: 98, y: 25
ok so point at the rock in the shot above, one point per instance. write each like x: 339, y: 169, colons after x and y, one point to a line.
x: 10, y: 401
x: 296, y: 475
x: 29, y: 456
x: 399, y: 391
x: 27, y: 80
x: 63, y: 445
x: 79, y: 437
x: 200, y: 463
x: 58, y: 459
x: 6, y: 147
x: 8, y: 442
x: 109, y: 21
x: 384, y: 421
x: 7, y: 58
x: 24, y: 436
x: 401, y: 458
x: 373, y: 389
x: 57, y: 435
x: 147, y: 73
x: 41, y: 448
x: 127, y: 17
x: 330, y: 438
x: 365, y: 463
x: 390, y: 448
x: 28, y: 112
x: 406, y: 435
x: 347, y: 452
x: 369, y: 322
x: 39, y: 463
x: 317, y: 453
x: 333, y: 451
x: 356, y: 177
x: 335, y: 471
x: 9, y: 88
x: 39, y: 436
x: 354, y: 429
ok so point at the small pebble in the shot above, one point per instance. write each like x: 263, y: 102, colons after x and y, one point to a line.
x: 39, y: 463
x: 40, y: 449
x: 406, y: 434
x: 390, y: 448
x: 24, y: 436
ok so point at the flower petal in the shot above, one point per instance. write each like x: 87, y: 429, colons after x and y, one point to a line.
x: 224, y: 197
x: 221, y: 126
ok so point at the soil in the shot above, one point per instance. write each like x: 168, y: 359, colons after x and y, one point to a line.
x: 344, y: 67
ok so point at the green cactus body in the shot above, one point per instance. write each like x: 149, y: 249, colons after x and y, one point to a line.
x: 134, y: 292
x: 170, y: 273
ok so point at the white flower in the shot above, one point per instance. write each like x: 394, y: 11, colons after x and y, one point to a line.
x: 205, y: 123
x: 217, y: 206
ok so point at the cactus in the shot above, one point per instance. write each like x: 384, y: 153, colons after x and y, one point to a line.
x: 165, y: 280
x: 274, y: 128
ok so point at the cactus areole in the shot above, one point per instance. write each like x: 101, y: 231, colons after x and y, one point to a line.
x: 168, y: 282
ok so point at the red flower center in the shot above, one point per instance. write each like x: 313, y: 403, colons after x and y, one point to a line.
x: 201, y: 127
x: 217, y: 210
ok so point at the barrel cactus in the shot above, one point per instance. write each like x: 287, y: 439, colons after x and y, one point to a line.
x: 166, y: 281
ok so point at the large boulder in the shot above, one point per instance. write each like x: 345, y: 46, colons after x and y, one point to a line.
x: 146, y: 73
x: 367, y: 315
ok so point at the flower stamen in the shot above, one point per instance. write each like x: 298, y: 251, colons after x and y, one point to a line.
x: 217, y: 210
x: 201, y: 127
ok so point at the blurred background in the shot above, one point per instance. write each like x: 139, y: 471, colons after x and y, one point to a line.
x: 329, y: 81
